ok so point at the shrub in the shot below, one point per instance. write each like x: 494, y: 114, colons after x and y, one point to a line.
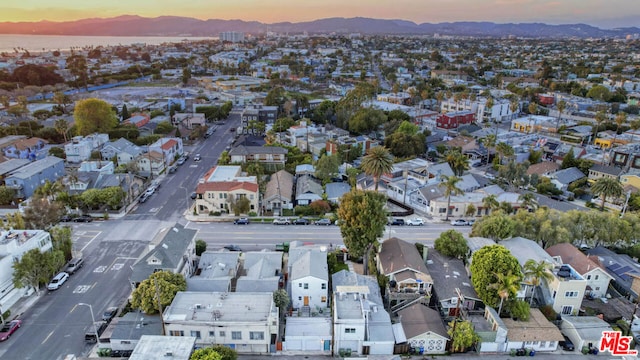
x: 253, y: 213
x: 549, y: 313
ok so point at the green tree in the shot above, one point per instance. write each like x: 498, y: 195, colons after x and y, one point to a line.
x: 376, y: 163
x: 569, y: 159
x: 457, y: 161
x: 6, y: 195
x: 62, y: 127
x: 186, y: 75
x: 201, y: 246
x: 240, y: 206
x: 366, y: 120
x: 124, y: 113
x: 528, y: 201
x: 404, y: 145
x: 164, y: 127
x: 61, y: 100
x: 61, y: 239
x: 408, y: 128
x: 283, y: 124
x: 463, y: 335
x: 205, y: 354
x: 35, y: 268
x: 327, y: 167
x: 485, y: 264
x: 226, y: 352
x: 450, y: 186
x: 496, y: 226
x: 490, y: 202
x: 535, y: 272
x: 362, y: 219
x: 77, y: 65
x: 451, y: 243
x: 519, y: 310
x: 94, y: 115
x: 606, y: 187
x: 281, y: 299
x: 506, y: 285
x: 162, y: 283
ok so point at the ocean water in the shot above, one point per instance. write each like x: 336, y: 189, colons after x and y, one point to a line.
x: 39, y: 43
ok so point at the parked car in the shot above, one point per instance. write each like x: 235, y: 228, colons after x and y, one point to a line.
x: 173, y: 169
x: 83, y: 218
x: 9, y: 328
x: 150, y: 191
x: 57, y: 281
x: 301, y: 221
x: 459, y: 222
x: 109, y: 314
x: 325, y: 222
x: 397, y: 222
x: 197, y: 157
x: 194, y: 195
x: 415, y: 222
x: 144, y: 198
x: 66, y: 218
x: 97, y: 328
x: 181, y: 160
x: 241, y: 221
x: 233, y: 248
x: 567, y: 345
x: 73, y: 265
x: 281, y: 221
x: 471, y: 222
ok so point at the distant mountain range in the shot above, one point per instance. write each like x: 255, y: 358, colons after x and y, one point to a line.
x: 131, y: 25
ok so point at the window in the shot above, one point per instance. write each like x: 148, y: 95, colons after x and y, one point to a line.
x: 442, y: 210
x: 221, y: 333
x: 299, y: 284
x: 567, y: 310
x: 323, y: 299
x: 350, y: 331
x: 251, y: 197
x: 212, y: 333
x: 588, y: 277
x: 299, y: 297
x: 597, y: 288
x: 306, y: 286
x: 596, y: 277
x: 324, y: 286
x: 256, y: 335
x: 236, y: 335
x: 195, y: 334
x: 571, y: 294
x: 176, y: 333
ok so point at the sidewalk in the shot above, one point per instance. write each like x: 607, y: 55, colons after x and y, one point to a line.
x: 24, y: 304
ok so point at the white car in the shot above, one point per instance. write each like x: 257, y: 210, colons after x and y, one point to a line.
x: 415, y: 222
x: 459, y: 222
x: 57, y: 281
x: 197, y: 157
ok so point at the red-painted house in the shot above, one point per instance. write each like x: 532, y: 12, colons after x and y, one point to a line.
x: 453, y: 120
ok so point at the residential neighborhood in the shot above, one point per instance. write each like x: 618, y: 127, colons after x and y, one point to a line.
x: 323, y: 194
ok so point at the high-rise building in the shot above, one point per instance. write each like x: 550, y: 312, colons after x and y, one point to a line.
x: 232, y: 36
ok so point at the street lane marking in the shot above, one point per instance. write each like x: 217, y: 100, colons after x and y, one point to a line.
x: 100, y: 269
x: 81, y: 289
x: 90, y: 241
x: 47, y: 338
x: 117, y: 266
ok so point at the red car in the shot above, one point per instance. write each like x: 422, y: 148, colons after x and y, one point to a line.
x: 9, y: 328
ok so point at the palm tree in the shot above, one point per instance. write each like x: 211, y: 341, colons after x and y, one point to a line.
x: 561, y: 106
x: 535, y: 272
x: 450, y: 185
x: 605, y: 187
x: 489, y: 106
x: 621, y: 118
x: 489, y: 142
x: 528, y: 200
x: 490, y: 202
x: 504, y: 150
x: 513, y: 106
x: 377, y: 162
x: 457, y: 160
x: 506, y: 285
x: 599, y: 118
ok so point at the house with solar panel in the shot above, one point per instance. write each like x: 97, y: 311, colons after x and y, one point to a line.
x: 621, y: 267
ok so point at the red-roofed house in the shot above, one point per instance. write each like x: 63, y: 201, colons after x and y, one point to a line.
x: 150, y: 163
x: 139, y: 120
x: 224, y: 185
x: 171, y: 148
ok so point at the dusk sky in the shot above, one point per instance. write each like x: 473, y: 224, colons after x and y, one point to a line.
x: 602, y: 13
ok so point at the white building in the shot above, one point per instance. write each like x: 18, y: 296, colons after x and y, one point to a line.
x: 246, y: 322
x: 232, y: 36
x: 309, y: 278
x: 79, y: 148
x: 156, y: 347
x: 13, y: 245
x: 170, y: 148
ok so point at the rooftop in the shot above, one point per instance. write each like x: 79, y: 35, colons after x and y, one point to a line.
x: 212, y: 307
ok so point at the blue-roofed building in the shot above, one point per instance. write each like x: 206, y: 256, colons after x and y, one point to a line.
x: 621, y: 267
x: 26, y: 179
x: 335, y: 191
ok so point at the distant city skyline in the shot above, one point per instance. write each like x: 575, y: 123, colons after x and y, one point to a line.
x: 600, y: 13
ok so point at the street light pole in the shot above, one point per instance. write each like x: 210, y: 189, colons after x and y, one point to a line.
x: 95, y: 329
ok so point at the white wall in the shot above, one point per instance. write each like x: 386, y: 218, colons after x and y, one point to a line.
x: 314, y: 292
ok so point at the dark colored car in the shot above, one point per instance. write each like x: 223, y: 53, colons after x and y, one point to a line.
x: 233, y: 248
x: 301, y: 221
x: 83, y: 218
x: 325, y: 222
x: 241, y: 221
x: 397, y: 222
x: 66, y: 218
x: 109, y: 314
x: 9, y: 328
x: 194, y: 195
x: 566, y: 345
